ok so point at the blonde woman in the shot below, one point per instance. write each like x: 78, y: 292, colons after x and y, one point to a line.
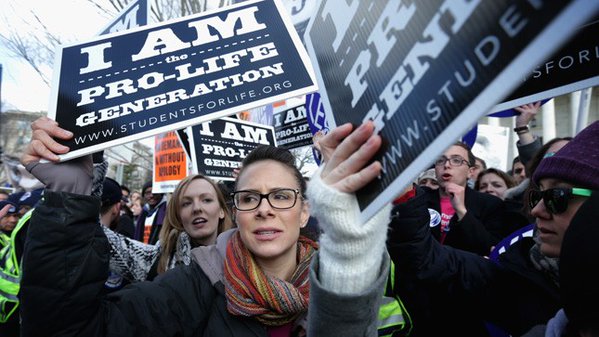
x: 196, y: 213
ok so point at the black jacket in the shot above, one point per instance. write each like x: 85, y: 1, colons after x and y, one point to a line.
x: 450, y: 291
x: 481, y: 228
x: 65, y: 265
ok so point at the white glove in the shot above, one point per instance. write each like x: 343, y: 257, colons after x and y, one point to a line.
x: 351, y: 253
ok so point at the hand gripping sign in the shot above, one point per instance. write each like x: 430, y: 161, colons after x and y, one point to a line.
x: 426, y: 71
x: 131, y: 85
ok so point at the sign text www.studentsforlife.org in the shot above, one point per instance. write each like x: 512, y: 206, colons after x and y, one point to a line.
x: 131, y: 85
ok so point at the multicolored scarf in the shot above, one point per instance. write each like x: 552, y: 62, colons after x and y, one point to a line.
x: 547, y: 265
x: 252, y: 293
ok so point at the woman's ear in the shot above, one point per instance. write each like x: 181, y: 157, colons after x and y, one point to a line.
x: 305, y: 216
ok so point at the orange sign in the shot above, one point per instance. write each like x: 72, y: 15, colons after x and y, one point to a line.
x: 170, y: 162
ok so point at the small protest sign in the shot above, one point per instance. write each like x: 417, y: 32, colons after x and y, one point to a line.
x: 291, y: 126
x: 260, y: 115
x: 135, y: 14
x: 170, y: 162
x: 317, y: 122
x: 573, y: 67
x: 300, y: 12
x: 219, y: 146
x: 184, y: 139
x: 134, y: 84
x: 426, y: 71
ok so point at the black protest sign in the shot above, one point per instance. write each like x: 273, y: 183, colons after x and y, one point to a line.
x: 574, y: 67
x: 142, y: 82
x: 291, y: 127
x: 134, y: 15
x: 300, y: 12
x: 426, y: 71
x: 184, y: 140
x: 219, y: 146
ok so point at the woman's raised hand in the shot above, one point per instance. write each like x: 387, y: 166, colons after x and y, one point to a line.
x: 346, y: 154
x: 43, y: 144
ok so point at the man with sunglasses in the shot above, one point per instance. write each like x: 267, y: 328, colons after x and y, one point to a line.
x: 521, y: 289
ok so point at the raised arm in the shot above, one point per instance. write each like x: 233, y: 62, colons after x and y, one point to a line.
x: 351, y: 268
x: 65, y: 264
x: 527, y: 143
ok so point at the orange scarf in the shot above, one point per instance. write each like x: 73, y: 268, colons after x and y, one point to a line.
x: 252, y: 293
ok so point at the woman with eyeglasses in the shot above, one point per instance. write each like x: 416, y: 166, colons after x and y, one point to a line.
x: 260, y: 279
x: 520, y: 290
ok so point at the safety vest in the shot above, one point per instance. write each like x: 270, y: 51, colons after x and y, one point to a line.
x: 10, y: 274
x: 4, y: 240
x: 394, y: 319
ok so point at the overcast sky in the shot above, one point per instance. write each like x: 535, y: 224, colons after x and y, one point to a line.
x: 71, y: 20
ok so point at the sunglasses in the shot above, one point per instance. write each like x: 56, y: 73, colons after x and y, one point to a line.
x: 556, y: 199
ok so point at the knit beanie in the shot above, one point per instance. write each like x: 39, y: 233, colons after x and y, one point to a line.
x: 28, y: 198
x: 579, y: 265
x: 428, y: 174
x: 577, y: 162
x: 111, y: 192
x: 14, y: 208
x: 147, y: 185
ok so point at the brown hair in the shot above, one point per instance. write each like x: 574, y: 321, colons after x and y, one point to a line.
x: 172, y: 226
x: 509, y: 180
x: 280, y: 155
x: 471, y: 157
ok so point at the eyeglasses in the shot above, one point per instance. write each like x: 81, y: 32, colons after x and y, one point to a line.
x: 556, y: 199
x: 453, y: 161
x: 518, y: 170
x: 283, y: 198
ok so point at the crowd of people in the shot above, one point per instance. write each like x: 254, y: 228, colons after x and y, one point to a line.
x: 277, y: 254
